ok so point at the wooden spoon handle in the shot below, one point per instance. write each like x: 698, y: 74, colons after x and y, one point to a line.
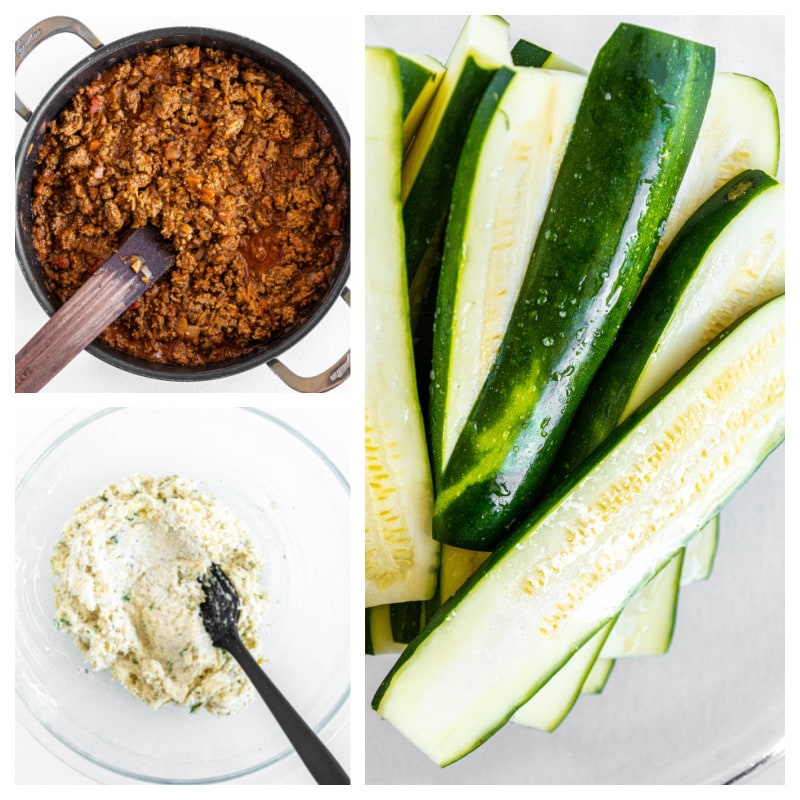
x: 77, y: 323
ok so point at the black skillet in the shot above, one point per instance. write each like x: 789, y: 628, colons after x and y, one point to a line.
x: 102, y: 57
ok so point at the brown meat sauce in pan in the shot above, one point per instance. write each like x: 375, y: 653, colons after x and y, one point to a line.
x: 230, y: 163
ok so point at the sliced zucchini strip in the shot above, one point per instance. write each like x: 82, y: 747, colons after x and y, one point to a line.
x: 548, y: 708
x: 576, y: 561
x: 506, y: 173
x: 700, y: 552
x: 528, y: 54
x: 430, y: 164
x: 420, y: 76
x: 645, y: 625
x: 645, y: 98
x: 401, y: 557
x: 740, y: 131
x: 598, y: 676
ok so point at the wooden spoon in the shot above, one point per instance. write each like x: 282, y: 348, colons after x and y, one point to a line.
x: 140, y: 261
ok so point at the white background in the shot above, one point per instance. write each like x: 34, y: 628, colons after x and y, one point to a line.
x: 329, y: 49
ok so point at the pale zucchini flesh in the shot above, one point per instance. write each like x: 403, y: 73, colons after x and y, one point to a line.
x: 742, y: 268
x: 740, y: 131
x: 547, y: 709
x: 457, y: 565
x: 598, y: 676
x: 401, y: 557
x: 578, y: 559
x: 645, y: 625
x: 698, y: 560
x: 643, y: 628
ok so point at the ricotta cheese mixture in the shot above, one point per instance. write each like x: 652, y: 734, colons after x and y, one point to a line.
x: 126, y: 572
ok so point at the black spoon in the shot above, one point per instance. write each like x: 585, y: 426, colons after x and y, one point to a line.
x: 220, y: 612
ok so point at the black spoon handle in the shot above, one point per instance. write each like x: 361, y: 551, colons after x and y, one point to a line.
x: 321, y: 764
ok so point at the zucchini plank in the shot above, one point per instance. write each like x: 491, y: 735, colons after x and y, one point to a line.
x: 401, y: 557
x: 575, y: 562
x: 430, y: 166
x: 727, y: 259
x: 645, y: 625
x: 645, y: 97
x: 548, y: 708
x: 598, y: 676
x: 740, y: 131
x: 700, y: 552
x: 528, y: 54
x: 506, y: 173
x: 420, y: 76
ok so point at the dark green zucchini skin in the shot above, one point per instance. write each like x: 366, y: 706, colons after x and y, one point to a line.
x: 601, y: 408
x: 369, y: 649
x: 426, y: 207
x: 428, y: 202
x: 540, y: 511
x: 408, y: 619
x: 447, y: 284
x: 528, y: 54
x: 413, y: 79
x: 634, y: 134
x: 425, y: 213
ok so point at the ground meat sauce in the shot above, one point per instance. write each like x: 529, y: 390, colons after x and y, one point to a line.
x: 230, y: 163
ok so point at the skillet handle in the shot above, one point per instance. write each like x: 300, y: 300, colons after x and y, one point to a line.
x: 36, y: 34
x: 325, y: 381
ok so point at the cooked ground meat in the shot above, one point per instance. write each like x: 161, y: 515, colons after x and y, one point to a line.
x: 230, y: 163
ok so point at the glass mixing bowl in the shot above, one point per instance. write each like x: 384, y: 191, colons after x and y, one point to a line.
x: 295, y: 502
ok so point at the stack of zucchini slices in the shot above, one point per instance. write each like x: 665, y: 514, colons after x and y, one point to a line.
x: 574, y: 358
